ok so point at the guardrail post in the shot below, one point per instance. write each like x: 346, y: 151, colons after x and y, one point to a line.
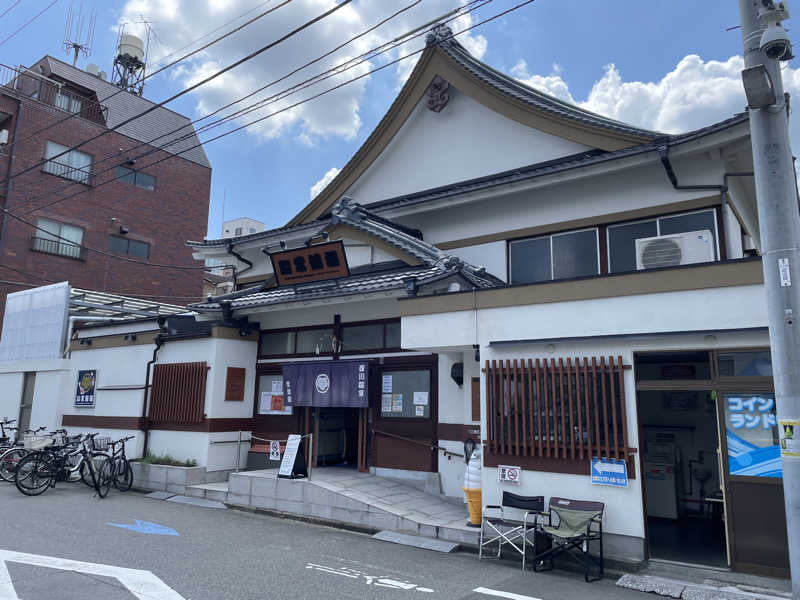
x: 238, y: 449
x: 310, y: 453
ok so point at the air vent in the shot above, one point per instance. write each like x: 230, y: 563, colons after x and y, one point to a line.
x: 661, y: 253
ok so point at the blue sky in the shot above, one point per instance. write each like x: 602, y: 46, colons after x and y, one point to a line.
x: 562, y: 46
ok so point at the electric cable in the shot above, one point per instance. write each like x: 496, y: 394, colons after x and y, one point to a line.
x: 8, y: 10
x: 29, y: 21
x: 327, y: 91
x: 192, y: 87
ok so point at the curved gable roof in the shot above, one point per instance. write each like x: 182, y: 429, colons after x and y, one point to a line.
x: 445, y: 57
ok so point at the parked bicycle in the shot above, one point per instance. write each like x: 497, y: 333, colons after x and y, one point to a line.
x: 42, y: 468
x: 121, y: 471
x: 15, y: 451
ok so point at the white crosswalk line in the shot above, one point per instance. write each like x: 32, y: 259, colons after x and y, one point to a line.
x: 500, y: 594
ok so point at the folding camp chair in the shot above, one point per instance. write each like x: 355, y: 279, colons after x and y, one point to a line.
x: 496, y: 527
x: 570, y: 529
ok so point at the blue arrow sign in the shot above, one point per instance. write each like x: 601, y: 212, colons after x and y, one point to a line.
x: 609, y: 471
x: 145, y: 527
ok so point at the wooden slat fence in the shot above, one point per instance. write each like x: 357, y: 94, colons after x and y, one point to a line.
x: 179, y: 392
x: 570, y: 409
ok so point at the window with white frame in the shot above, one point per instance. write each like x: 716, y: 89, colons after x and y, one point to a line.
x: 557, y: 256
x: 622, y: 238
x: 53, y: 237
x: 68, y: 102
x: 73, y: 165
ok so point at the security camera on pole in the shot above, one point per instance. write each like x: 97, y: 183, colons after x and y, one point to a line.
x: 766, y: 43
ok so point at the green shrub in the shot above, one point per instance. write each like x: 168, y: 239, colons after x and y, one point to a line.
x: 165, y: 459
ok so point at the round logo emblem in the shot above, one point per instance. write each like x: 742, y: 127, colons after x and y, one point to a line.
x: 323, y: 383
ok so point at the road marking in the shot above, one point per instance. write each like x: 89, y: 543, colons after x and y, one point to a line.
x: 146, y: 527
x: 488, y: 592
x: 142, y: 584
x: 377, y: 580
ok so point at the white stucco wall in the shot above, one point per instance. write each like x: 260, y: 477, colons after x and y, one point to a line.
x: 11, y: 384
x: 467, y: 140
x: 492, y: 256
x: 51, y: 389
x: 181, y: 445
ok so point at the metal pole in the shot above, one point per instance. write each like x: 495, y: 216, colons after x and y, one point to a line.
x: 310, y: 453
x: 238, y: 449
x: 779, y: 222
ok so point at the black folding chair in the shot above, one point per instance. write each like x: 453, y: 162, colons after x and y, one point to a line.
x: 571, y: 526
x: 518, y: 534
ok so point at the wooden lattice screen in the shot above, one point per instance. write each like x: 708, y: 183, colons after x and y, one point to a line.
x: 557, y: 409
x: 179, y: 392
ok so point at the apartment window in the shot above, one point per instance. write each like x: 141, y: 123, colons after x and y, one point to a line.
x: 238, y: 231
x: 622, y: 238
x: 73, y: 165
x: 557, y: 256
x: 53, y: 237
x: 122, y: 245
x: 68, y: 102
x: 137, y: 178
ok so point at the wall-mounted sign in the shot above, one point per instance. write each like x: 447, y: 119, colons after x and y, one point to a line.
x: 87, y: 381
x: 609, y: 471
x: 315, y: 263
x: 506, y: 474
x: 274, y: 450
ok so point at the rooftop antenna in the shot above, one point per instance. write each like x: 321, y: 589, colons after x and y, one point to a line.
x: 129, y: 62
x: 79, y: 32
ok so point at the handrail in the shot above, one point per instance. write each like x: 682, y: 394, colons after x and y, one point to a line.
x: 431, y: 446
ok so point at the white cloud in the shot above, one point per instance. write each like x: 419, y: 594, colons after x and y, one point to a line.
x: 179, y: 22
x: 323, y: 183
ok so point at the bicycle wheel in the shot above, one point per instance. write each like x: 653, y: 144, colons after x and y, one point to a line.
x: 9, y: 459
x: 86, y: 477
x: 35, y: 473
x: 104, y: 477
x: 123, y: 475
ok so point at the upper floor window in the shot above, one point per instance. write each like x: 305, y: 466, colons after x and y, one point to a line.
x: 73, y: 165
x: 557, y: 256
x: 68, y: 102
x: 123, y: 245
x: 53, y: 237
x: 238, y: 231
x: 137, y: 178
x: 622, y: 238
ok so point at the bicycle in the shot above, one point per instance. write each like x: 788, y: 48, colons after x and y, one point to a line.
x: 41, y: 469
x: 4, y: 440
x: 11, y: 455
x: 121, y: 471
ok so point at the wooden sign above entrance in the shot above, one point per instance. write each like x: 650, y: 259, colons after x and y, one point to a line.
x: 314, y: 263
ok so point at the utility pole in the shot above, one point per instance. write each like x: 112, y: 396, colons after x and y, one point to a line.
x: 779, y: 221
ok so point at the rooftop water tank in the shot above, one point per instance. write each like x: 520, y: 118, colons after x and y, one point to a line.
x: 130, y: 45
x: 93, y: 69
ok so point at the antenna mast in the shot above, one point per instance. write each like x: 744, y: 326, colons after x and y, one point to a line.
x: 77, y: 38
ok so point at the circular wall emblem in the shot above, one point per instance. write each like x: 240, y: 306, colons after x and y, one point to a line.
x: 323, y: 383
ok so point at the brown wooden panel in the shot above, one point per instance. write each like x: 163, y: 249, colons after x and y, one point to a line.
x: 476, y: 399
x: 234, y: 384
x: 178, y: 392
x: 101, y: 422
x: 457, y: 432
x: 207, y: 425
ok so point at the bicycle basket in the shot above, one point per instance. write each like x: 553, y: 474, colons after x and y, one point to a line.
x: 37, y: 442
x: 101, y: 444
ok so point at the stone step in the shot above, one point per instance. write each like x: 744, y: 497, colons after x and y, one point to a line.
x: 217, y: 492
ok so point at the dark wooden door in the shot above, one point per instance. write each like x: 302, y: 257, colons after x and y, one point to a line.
x: 405, y: 413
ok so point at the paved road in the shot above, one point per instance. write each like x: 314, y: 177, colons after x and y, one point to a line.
x: 232, y: 555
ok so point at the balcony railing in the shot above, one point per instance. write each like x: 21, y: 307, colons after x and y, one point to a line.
x: 58, y: 247
x: 79, y: 175
x: 20, y: 81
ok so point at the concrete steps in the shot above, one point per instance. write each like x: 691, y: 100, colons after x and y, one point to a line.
x: 210, y: 491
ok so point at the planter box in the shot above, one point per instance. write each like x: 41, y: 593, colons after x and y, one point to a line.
x: 164, y: 478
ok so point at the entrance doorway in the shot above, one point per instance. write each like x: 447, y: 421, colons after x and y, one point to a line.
x: 337, y: 437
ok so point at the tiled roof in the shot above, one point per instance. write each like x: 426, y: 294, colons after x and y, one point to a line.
x: 442, y: 35
x: 124, y: 105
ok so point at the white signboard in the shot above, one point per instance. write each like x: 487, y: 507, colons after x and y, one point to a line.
x: 274, y: 450
x: 287, y: 464
x: 35, y: 323
x: 506, y: 474
x: 386, y: 384
x: 421, y: 398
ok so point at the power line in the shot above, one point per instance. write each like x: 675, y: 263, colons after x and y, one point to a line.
x: 156, y: 72
x: 327, y: 91
x: 8, y: 10
x: 29, y: 21
x: 296, y: 87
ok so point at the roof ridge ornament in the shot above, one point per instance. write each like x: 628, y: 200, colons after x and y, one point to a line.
x: 439, y: 33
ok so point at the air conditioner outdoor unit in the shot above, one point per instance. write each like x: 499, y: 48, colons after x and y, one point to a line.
x: 672, y: 250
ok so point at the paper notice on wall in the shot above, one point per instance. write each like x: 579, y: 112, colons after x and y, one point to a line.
x: 265, y: 401
x: 386, y: 386
x: 397, y: 402
x: 421, y: 398
x: 277, y: 386
x: 419, y: 411
x: 386, y: 403
x: 270, y: 403
x: 790, y: 437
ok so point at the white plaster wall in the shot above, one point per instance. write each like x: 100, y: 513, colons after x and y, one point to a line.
x: 11, y: 384
x: 49, y: 394
x: 231, y: 353
x: 467, y: 140
x: 451, y: 471
x: 182, y: 445
x: 223, y: 456
x: 300, y: 315
x: 491, y: 255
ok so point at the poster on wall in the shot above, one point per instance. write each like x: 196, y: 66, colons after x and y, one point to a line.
x: 273, y: 404
x: 751, y: 430
x: 397, y: 403
x: 790, y: 438
x: 87, y: 382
